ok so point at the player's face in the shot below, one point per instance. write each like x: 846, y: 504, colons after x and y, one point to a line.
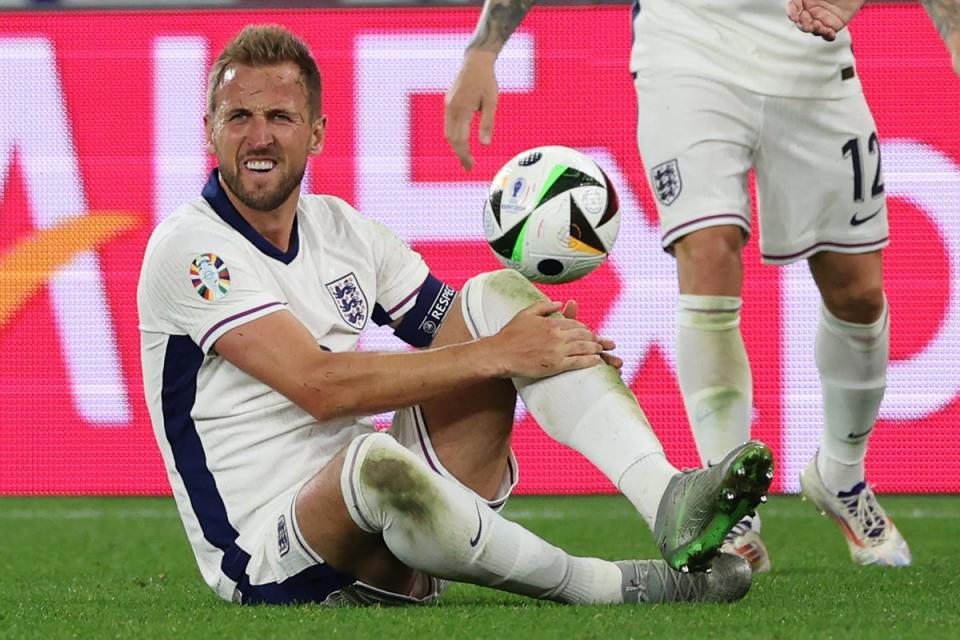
x: 262, y: 133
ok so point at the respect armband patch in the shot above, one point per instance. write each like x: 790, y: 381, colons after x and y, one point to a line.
x: 420, y: 325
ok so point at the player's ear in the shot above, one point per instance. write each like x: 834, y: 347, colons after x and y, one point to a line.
x: 317, y: 135
x: 208, y: 132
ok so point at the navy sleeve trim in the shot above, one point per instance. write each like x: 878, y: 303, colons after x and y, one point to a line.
x: 420, y: 324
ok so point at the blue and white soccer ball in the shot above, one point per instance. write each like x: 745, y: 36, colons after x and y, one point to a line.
x: 552, y: 214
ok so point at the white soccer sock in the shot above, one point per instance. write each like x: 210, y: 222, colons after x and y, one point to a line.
x: 852, y: 360
x: 714, y: 374
x: 435, y: 526
x: 590, y: 410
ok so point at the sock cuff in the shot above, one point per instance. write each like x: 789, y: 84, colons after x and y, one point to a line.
x: 861, y: 333
x: 640, y: 458
x: 350, y: 487
x: 709, y: 313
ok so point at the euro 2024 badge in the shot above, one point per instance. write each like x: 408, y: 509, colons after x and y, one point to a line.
x: 210, y: 276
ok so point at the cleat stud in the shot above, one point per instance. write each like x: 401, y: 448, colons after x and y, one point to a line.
x: 685, y: 569
x: 708, y: 570
x: 770, y: 475
x: 763, y: 498
x: 741, y: 471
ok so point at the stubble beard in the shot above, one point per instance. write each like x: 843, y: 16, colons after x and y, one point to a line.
x: 263, y: 199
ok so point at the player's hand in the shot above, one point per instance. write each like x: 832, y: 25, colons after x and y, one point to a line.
x: 570, y: 311
x: 824, y: 18
x: 546, y: 339
x: 474, y: 89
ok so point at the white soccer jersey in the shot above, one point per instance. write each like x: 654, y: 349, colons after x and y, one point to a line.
x: 229, y: 442
x: 746, y: 43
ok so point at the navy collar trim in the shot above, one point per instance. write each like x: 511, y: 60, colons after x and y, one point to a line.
x: 214, y: 194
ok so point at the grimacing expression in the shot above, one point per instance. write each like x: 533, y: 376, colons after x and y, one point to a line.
x: 262, y: 133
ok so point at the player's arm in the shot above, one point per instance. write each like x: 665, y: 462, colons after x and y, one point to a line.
x: 279, y: 351
x: 945, y: 15
x: 475, y: 86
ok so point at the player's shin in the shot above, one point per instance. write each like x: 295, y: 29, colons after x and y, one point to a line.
x: 590, y: 410
x: 439, y: 528
x: 852, y: 360
x: 714, y: 373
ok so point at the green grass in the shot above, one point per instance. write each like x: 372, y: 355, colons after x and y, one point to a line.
x: 121, y: 568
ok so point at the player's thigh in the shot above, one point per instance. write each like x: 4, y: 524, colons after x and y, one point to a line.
x: 696, y: 139
x: 464, y: 435
x: 819, y: 179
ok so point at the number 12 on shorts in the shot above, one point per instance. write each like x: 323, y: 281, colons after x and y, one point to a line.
x: 852, y: 148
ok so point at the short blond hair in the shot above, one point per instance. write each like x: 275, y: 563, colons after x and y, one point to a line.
x: 263, y: 45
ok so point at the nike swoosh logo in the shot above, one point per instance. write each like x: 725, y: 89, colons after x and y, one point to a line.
x: 476, y: 540
x: 855, y: 221
x: 855, y: 436
x: 33, y: 260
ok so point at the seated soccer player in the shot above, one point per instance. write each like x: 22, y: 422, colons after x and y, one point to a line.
x: 252, y: 299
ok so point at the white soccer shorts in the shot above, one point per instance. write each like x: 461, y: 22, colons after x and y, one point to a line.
x: 817, y: 163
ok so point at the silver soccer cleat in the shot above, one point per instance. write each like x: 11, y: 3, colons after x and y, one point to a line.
x: 655, y: 582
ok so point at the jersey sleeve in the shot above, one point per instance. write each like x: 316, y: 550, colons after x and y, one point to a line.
x: 401, y: 272
x: 202, y: 284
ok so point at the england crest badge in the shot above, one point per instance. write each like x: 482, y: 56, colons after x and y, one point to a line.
x: 350, y: 300
x: 666, y: 181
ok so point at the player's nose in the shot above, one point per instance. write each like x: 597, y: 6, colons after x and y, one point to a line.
x: 259, y: 134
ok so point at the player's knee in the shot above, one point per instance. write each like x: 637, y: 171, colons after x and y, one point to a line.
x: 711, y: 255
x: 860, y: 304
x: 490, y: 300
x: 380, y: 477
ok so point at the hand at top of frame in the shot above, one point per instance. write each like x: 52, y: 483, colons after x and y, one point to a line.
x: 824, y: 18
x: 474, y: 89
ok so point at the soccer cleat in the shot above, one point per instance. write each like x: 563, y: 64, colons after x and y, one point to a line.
x: 744, y: 540
x: 654, y: 581
x: 701, y: 506
x: 871, y: 535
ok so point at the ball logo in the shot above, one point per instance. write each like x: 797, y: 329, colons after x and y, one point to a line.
x: 593, y: 200
x: 210, y: 276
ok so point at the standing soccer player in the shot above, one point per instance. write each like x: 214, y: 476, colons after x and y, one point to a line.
x: 723, y: 88
x: 252, y: 299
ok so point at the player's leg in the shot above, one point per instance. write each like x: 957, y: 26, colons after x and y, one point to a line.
x: 696, y: 139
x: 596, y: 414
x: 827, y: 195
x: 378, y: 512
x: 465, y: 435
x: 852, y: 353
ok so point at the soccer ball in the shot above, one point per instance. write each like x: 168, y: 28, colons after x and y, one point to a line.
x: 552, y: 214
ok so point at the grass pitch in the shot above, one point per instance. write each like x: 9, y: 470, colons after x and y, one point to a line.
x: 121, y: 568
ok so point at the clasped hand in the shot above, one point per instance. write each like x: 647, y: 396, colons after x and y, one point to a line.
x: 545, y: 339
